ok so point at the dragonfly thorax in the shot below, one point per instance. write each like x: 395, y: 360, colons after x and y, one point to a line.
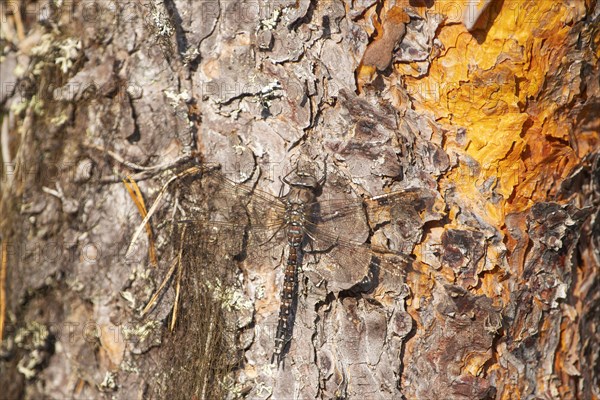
x: 295, y: 219
x: 300, y: 195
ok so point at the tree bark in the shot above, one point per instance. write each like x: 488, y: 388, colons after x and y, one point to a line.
x: 488, y: 108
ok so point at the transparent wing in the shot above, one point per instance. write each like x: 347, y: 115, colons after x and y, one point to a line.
x: 262, y: 214
x: 235, y: 218
x: 234, y: 240
x: 340, y: 229
x: 345, y: 220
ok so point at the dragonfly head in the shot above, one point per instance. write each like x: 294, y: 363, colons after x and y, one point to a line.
x: 306, y: 182
x: 304, y: 186
x: 303, y: 189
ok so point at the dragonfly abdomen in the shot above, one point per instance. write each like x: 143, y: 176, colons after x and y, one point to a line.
x: 287, y: 295
x: 295, y: 237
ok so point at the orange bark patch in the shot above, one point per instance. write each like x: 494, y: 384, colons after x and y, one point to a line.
x: 503, y: 86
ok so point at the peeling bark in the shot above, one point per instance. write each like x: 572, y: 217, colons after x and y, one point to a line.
x: 491, y: 113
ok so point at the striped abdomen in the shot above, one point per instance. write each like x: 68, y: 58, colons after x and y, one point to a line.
x: 287, y: 296
x: 295, y: 237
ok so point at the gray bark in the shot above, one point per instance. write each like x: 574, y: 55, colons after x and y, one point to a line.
x: 106, y: 90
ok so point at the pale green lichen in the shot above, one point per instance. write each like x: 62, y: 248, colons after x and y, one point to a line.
x: 269, y: 370
x: 19, y: 70
x: 260, y: 292
x: 177, y: 98
x: 141, y: 331
x: 233, y: 389
x: 27, y: 366
x: 190, y: 55
x: 35, y: 103
x: 38, y: 105
x: 262, y: 389
x: 109, y: 383
x: 231, y: 299
x: 129, y: 297
x: 33, y: 337
x: 69, y: 51
x: 44, y: 45
x: 161, y: 23
x: 18, y: 107
x: 271, y: 22
x: 59, y: 120
x: 129, y: 367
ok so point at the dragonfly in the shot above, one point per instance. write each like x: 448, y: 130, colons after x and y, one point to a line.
x: 300, y: 220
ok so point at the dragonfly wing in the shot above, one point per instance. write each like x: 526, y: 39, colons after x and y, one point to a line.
x: 263, y: 213
x: 350, y: 220
x: 340, y: 229
x: 350, y: 263
x: 215, y: 180
x: 333, y: 221
x: 237, y: 219
x: 341, y: 268
x: 233, y: 240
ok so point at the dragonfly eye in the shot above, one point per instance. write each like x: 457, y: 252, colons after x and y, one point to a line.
x: 306, y: 181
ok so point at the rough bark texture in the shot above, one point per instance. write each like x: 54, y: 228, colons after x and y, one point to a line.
x: 499, y: 124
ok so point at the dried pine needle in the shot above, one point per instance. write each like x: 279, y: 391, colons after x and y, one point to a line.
x: 178, y: 284
x: 19, y: 24
x: 187, y: 172
x: 156, y: 294
x: 138, y: 199
x: 79, y: 387
x: 3, y: 287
